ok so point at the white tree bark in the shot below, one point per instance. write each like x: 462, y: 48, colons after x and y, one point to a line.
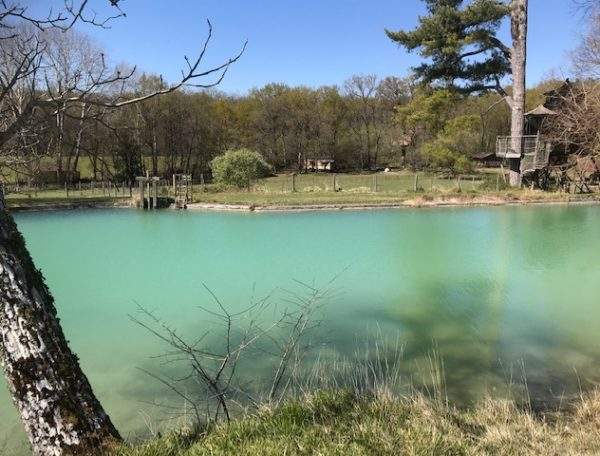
x: 58, y: 408
x: 518, y: 65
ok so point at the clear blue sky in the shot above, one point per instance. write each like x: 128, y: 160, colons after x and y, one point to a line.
x: 310, y: 42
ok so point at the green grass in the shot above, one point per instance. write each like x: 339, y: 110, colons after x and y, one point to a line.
x: 341, y: 424
x: 317, y: 189
x: 365, y: 183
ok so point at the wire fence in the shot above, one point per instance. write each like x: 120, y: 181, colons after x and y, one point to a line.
x: 388, y: 183
x: 93, y: 189
x: 369, y: 183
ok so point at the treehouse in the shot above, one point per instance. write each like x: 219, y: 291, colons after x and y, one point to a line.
x: 537, y: 150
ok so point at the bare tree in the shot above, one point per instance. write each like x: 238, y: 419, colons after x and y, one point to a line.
x: 210, y: 375
x: 57, y: 405
x: 578, y: 104
x: 366, y: 113
x: 586, y: 57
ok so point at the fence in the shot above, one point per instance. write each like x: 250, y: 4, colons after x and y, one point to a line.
x: 382, y: 183
x: 73, y: 190
x: 366, y: 183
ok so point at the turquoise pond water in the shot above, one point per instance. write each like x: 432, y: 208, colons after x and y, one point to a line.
x: 503, y: 293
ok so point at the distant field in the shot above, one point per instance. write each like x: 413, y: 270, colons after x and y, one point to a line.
x: 279, y: 190
x: 366, y: 183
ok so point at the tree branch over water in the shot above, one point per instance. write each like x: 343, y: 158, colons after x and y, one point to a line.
x: 214, y: 362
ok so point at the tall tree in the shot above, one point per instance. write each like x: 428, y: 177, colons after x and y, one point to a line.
x: 57, y: 405
x: 464, y: 53
x: 518, y: 61
x: 365, y: 116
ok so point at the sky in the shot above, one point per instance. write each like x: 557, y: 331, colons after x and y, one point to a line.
x: 310, y: 42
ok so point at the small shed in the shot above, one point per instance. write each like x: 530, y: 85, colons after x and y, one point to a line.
x: 51, y: 174
x: 319, y: 164
x: 487, y: 159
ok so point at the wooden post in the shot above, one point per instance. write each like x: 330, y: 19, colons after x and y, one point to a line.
x: 141, y: 183
x: 416, y: 184
x: 458, y: 184
x: 155, y: 193
x: 174, y: 184
x: 375, y: 183
x: 503, y: 172
x: 334, y: 184
x: 294, y: 182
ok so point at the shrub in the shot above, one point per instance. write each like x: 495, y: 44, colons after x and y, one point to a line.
x: 441, y: 157
x: 451, y: 149
x: 239, y: 167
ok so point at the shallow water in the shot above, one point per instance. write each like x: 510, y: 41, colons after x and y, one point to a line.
x: 503, y: 293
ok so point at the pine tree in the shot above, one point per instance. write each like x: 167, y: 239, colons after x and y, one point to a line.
x: 464, y: 53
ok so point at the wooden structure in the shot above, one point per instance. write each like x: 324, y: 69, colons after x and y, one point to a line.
x: 319, y: 164
x: 487, y: 160
x: 577, y: 175
x: 541, y: 158
x: 51, y: 174
x: 535, y: 153
x: 182, y: 189
x: 148, y: 186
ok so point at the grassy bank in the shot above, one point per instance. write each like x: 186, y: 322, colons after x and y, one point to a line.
x: 342, y: 424
x: 266, y: 200
x: 49, y: 202
x: 305, y: 190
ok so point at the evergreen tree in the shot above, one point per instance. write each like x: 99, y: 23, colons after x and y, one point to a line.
x: 464, y: 54
x: 460, y: 44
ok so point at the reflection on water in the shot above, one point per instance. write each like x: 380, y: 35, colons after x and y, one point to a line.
x: 505, y: 294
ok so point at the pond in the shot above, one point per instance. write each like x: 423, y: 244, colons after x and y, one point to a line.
x: 503, y: 295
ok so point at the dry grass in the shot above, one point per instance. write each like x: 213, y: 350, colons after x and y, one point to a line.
x: 340, y: 423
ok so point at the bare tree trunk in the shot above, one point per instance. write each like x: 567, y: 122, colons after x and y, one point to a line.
x: 58, y: 408
x: 518, y: 64
x: 77, y: 152
x: 154, y: 153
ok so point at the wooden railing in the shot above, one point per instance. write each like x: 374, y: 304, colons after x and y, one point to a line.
x: 504, y: 149
x: 535, y: 151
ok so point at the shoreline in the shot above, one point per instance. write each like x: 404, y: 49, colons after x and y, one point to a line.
x: 417, y: 203
x: 41, y: 206
x: 414, y: 203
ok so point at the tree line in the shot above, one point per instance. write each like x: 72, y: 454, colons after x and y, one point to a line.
x: 366, y: 123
